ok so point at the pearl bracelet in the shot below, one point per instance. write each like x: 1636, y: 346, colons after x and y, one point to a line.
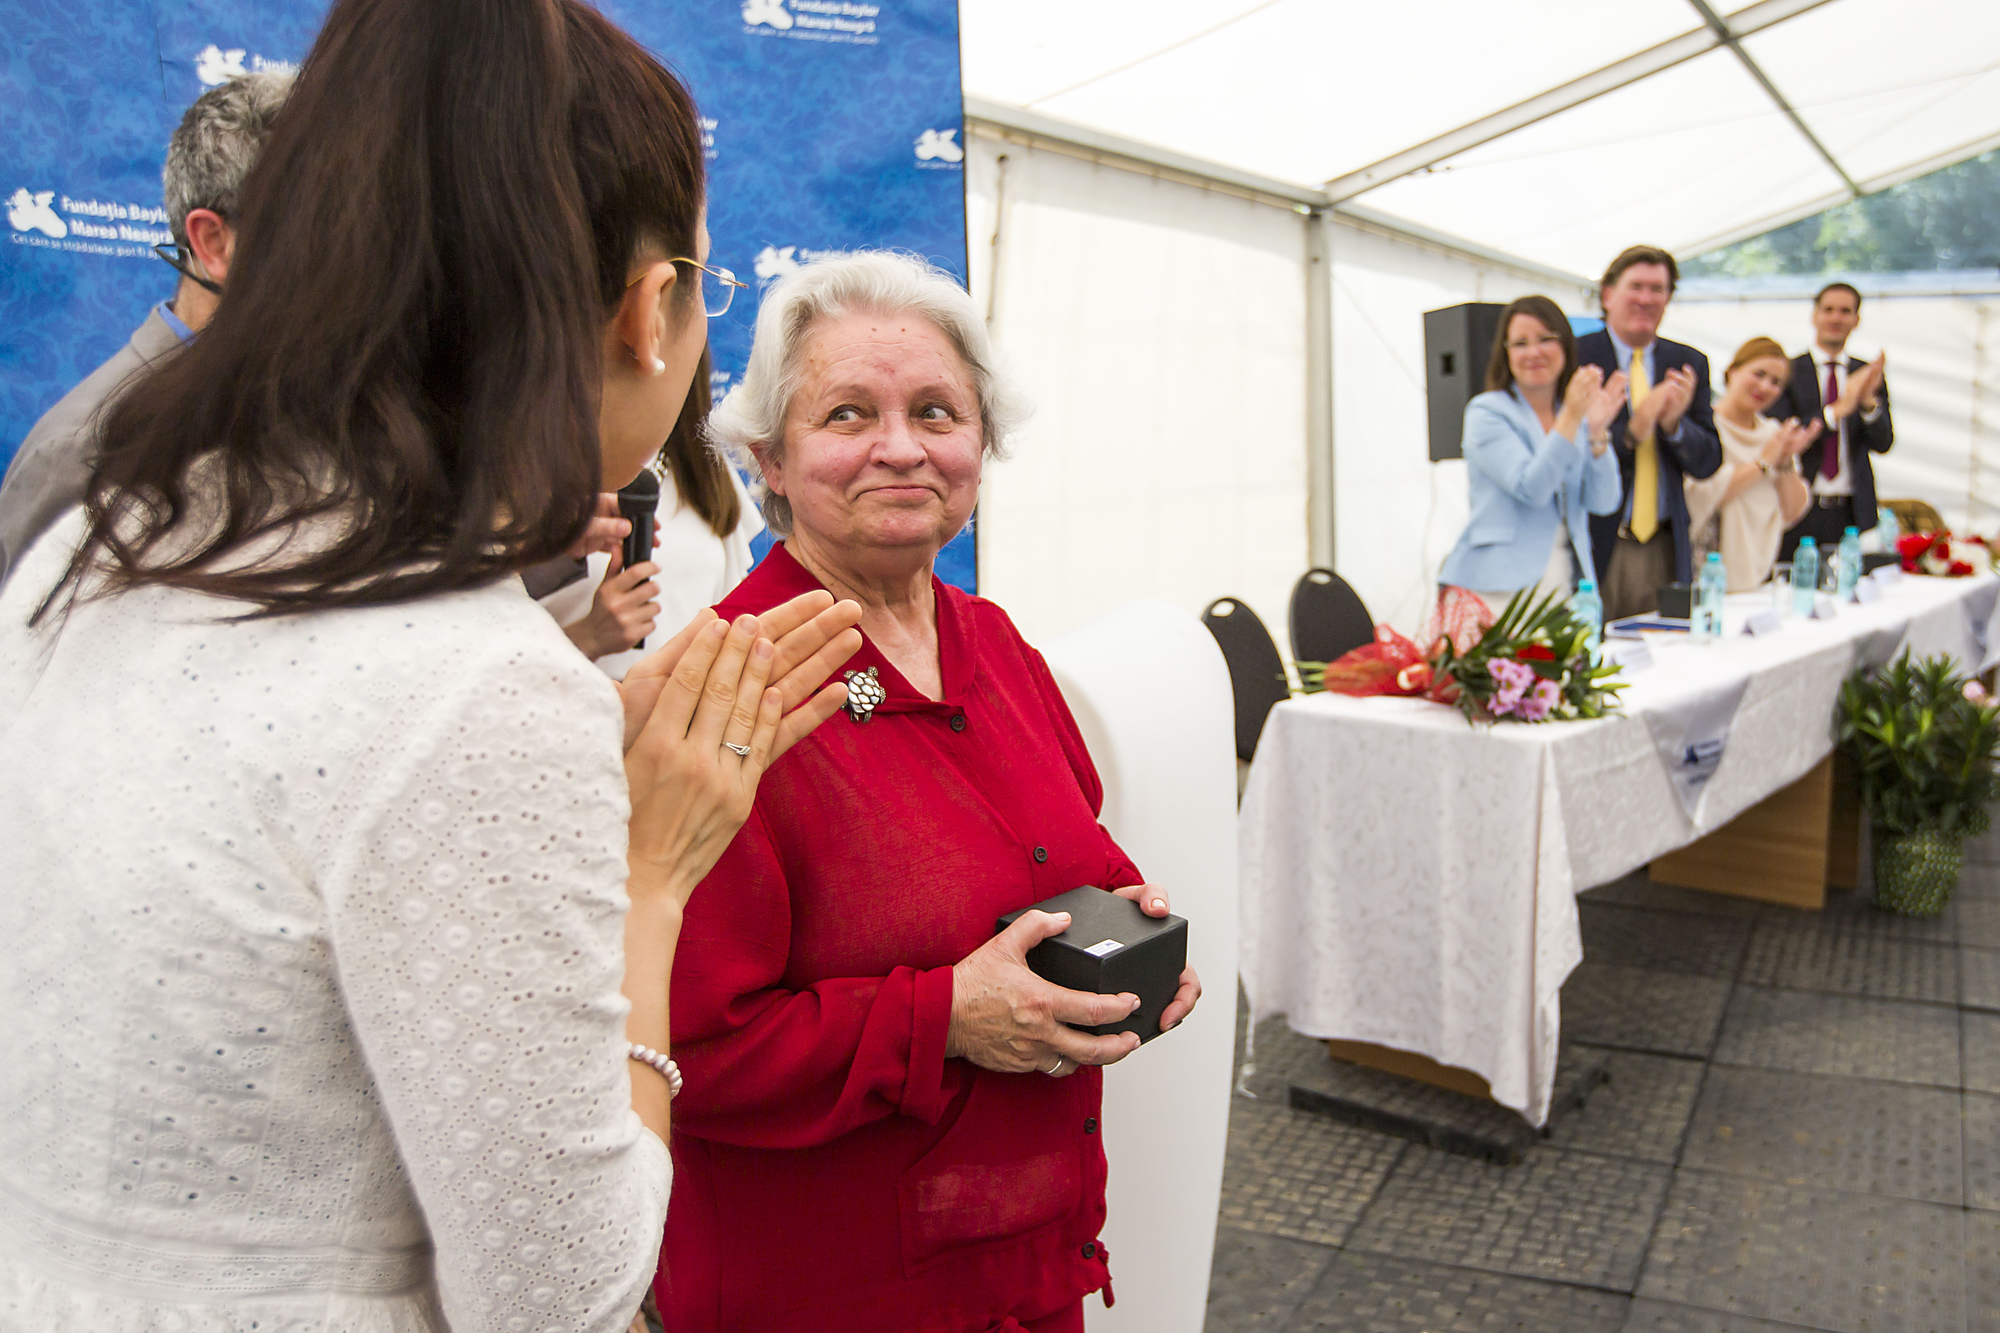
x: 658, y: 1062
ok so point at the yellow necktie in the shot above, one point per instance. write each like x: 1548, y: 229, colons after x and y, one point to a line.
x: 1645, y: 462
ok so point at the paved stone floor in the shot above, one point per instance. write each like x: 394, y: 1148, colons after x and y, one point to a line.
x: 1801, y: 1131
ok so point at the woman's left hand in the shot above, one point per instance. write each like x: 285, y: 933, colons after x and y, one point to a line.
x: 1152, y: 900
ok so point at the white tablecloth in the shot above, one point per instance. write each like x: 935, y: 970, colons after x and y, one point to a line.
x: 1410, y: 880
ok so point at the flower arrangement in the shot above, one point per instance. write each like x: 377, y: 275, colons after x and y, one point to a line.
x: 1925, y: 741
x: 1530, y: 664
x: 1932, y: 553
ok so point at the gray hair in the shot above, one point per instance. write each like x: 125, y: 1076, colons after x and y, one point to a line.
x: 217, y: 142
x: 879, y: 282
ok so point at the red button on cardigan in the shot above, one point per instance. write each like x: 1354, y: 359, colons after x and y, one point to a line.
x: 833, y: 1170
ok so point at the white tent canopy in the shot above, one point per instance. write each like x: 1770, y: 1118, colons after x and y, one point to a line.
x: 1559, y: 131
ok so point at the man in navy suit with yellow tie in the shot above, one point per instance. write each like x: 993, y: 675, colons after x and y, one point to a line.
x: 1665, y: 433
x: 1850, y: 397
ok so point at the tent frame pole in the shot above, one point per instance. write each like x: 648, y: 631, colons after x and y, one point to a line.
x: 1319, y: 390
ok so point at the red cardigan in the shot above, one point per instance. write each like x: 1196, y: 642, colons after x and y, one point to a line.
x: 833, y: 1170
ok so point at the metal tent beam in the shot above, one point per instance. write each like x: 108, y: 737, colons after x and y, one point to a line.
x: 1666, y: 55
x: 1733, y: 40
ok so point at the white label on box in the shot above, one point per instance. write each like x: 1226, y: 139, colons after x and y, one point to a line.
x: 1868, y: 590
x: 1762, y: 622
x: 1888, y: 575
x: 1628, y: 654
x: 1103, y: 947
x: 1824, y: 607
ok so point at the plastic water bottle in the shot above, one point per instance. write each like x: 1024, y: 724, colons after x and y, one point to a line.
x: 1805, y: 576
x: 1850, y: 563
x: 1887, y: 529
x: 1710, y: 589
x: 1588, y: 607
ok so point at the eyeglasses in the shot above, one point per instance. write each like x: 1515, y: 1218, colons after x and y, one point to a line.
x: 713, y: 303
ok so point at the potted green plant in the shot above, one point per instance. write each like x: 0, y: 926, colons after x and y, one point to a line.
x: 1923, y: 739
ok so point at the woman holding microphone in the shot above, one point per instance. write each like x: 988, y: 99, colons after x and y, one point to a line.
x: 1538, y: 455
x: 343, y: 891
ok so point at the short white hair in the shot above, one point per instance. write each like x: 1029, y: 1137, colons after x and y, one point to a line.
x: 878, y: 282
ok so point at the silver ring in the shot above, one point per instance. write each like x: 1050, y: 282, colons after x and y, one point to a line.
x: 740, y: 751
x: 1056, y: 1068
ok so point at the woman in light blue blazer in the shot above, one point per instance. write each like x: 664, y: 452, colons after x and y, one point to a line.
x: 1538, y: 451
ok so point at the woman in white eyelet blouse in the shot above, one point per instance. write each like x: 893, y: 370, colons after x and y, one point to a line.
x: 335, y: 881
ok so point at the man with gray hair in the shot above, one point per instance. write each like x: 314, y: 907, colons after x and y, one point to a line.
x: 207, y: 159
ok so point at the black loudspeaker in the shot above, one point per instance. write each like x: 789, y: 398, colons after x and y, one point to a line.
x: 1457, y: 341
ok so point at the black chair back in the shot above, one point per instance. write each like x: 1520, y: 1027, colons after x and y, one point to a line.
x: 1328, y: 619
x: 1256, y: 673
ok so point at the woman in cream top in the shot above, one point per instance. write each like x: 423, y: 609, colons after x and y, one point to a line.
x: 1744, y: 509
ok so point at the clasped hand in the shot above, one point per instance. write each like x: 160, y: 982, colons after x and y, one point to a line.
x: 1594, y: 401
x: 750, y: 684
x: 1005, y: 1018
x: 1862, y: 385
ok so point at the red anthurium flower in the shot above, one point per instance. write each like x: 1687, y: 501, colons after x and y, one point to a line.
x: 1959, y: 569
x: 1535, y: 652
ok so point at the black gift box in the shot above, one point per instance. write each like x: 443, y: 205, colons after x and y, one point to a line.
x: 1112, y: 948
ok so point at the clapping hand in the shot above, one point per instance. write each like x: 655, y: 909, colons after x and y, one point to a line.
x: 1603, y: 407
x: 1584, y: 386
x: 1862, y: 386
x: 1665, y: 404
x: 1798, y: 438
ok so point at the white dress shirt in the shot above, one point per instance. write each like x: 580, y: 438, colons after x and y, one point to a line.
x: 1842, y: 482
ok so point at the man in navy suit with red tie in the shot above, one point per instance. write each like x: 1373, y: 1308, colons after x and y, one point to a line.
x: 1666, y: 432
x: 1850, y: 397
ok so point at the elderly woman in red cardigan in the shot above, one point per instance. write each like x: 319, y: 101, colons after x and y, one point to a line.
x: 887, y: 1121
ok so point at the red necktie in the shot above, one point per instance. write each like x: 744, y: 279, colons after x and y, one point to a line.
x: 1829, y: 454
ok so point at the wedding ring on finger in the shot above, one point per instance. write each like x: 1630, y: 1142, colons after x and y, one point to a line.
x: 1055, y: 1070
x: 740, y: 751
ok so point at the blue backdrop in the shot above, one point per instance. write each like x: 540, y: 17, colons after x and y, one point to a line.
x: 830, y: 124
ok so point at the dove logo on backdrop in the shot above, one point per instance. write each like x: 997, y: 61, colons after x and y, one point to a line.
x: 775, y: 261
x: 215, y: 65
x: 768, y: 12
x: 31, y: 212
x: 939, y: 146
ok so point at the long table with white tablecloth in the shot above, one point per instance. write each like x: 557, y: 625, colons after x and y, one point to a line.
x: 1409, y: 879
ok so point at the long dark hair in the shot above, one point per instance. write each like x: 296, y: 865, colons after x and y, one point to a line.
x: 700, y: 474
x: 1500, y: 371
x: 410, y: 345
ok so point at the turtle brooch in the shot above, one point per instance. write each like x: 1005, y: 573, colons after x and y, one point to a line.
x: 864, y: 692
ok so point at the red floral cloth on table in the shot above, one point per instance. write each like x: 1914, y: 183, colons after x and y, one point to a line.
x: 1394, y: 664
x: 833, y: 1170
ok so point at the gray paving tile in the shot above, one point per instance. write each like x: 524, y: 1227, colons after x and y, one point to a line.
x: 1642, y: 1112
x: 1982, y: 1050
x: 1853, y: 911
x: 1289, y: 1065
x: 1290, y: 1173
x: 1848, y: 961
x: 1667, y: 1012
x: 1851, y: 1263
x: 1702, y: 946
x: 1833, y: 1034
x: 1664, y: 1317
x: 1979, y: 978
x: 1564, y: 1216
x: 1257, y: 1281
x: 1982, y: 1272
x: 1982, y: 1151
x: 1384, y: 1294
x: 1979, y: 921
x: 1834, y: 1133
x: 1635, y: 890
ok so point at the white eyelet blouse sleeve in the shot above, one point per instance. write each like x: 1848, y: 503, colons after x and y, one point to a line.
x: 315, y: 935
x: 475, y: 895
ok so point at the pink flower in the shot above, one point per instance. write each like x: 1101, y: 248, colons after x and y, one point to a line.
x: 1536, y: 705
x: 1975, y: 692
x: 1511, y: 679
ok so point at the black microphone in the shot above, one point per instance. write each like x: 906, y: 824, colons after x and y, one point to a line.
x: 639, y: 502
